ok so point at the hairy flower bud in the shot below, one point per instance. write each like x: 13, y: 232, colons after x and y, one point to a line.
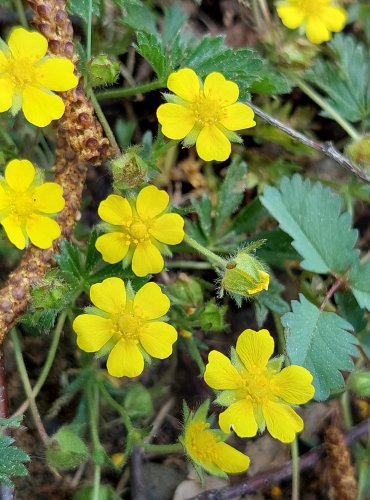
x: 129, y: 170
x: 102, y: 71
x: 244, y: 274
x: 359, y: 152
x: 359, y: 383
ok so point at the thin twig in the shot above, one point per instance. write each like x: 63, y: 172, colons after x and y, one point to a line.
x: 326, y: 148
x: 306, y: 461
x: 334, y: 287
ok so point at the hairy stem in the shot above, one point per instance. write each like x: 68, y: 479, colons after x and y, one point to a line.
x: 129, y: 91
x: 211, y: 256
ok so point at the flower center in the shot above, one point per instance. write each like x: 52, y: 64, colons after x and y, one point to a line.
x: 311, y: 7
x: 207, y: 111
x: 200, y: 442
x: 138, y: 231
x: 257, y: 386
x: 19, y: 205
x: 21, y: 72
x: 127, y: 326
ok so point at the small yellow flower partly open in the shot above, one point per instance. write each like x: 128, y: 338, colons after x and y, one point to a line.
x: 206, y: 115
x: 126, y: 325
x: 27, y: 78
x: 23, y: 201
x: 206, y: 447
x: 318, y: 17
x: 256, y: 392
x: 139, y: 230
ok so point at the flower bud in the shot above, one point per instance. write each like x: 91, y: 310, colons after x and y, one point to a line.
x: 129, y: 170
x: 244, y: 274
x: 359, y: 383
x: 102, y: 71
x: 359, y: 152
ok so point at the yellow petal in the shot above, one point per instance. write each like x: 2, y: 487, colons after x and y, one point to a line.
x: 176, y: 120
x: 150, y: 302
x: 220, y: 374
x: 125, y: 360
x: 151, y: 202
x: 157, y: 338
x: 6, y: 94
x: 282, y: 421
x: 229, y: 459
x: 14, y: 232
x: 28, y: 45
x: 217, y: 87
x: 293, y: 384
x: 254, y: 349
x: 40, y: 107
x: 42, y: 230
x: 184, y: 83
x: 109, y: 295
x: 262, y: 284
x: 168, y: 228
x: 3, y: 62
x: 93, y: 332
x: 113, y: 247
x: 240, y: 417
x: 290, y: 15
x: 334, y: 18
x: 212, y: 144
x: 316, y: 30
x: 115, y: 210
x: 48, y: 198
x: 238, y: 116
x: 56, y: 73
x: 19, y: 174
x: 147, y: 259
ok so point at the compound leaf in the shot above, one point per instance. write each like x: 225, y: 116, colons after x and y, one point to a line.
x: 311, y: 215
x: 359, y: 279
x: 320, y: 341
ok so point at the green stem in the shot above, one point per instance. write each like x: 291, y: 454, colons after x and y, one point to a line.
x: 96, y: 490
x: 211, y: 256
x: 104, y: 123
x: 129, y: 91
x: 280, y: 332
x: 92, y: 395
x: 363, y: 473
x: 194, y: 351
x: 27, y: 385
x: 89, y: 31
x: 186, y: 264
x: 21, y: 14
x: 162, y: 448
x: 310, y: 92
x: 295, y: 469
x: 48, y: 363
x: 346, y: 410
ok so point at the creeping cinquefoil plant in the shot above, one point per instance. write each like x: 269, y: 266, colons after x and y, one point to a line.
x: 184, y: 248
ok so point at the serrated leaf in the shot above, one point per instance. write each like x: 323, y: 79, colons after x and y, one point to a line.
x: 203, y: 209
x: 321, y: 342
x: 81, y: 8
x: 359, y: 280
x: 231, y: 192
x: 69, y: 259
x: 277, y: 249
x: 150, y: 47
x: 351, y: 311
x: 173, y: 21
x: 93, y: 257
x: 344, y: 79
x: 269, y: 82
x: 311, y: 215
x: 138, y: 16
x: 12, y: 461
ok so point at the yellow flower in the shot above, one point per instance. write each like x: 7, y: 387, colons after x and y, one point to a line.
x: 256, y: 392
x: 139, y: 230
x: 205, y: 115
x: 206, y: 447
x: 126, y: 325
x: 27, y: 78
x: 23, y: 200
x: 318, y: 17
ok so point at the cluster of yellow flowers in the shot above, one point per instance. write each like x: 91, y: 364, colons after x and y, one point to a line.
x: 130, y: 327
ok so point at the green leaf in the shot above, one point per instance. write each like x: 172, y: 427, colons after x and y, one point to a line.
x: 359, y: 280
x: 12, y: 461
x: 231, y: 192
x: 344, y: 79
x: 70, y: 260
x: 81, y: 8
x: 203, y: 209
x: 351, y: 311
x: 311, y: 215
x: 138, y: 401
x: 66, y: 449
x: 269, y: 82
x: 138, y: 16
x: 248, y: 218
x: 173, y: 22
x: 321, y: 342
x: 150, y: 47
x: 277, y: 249
x: 271, y: 299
